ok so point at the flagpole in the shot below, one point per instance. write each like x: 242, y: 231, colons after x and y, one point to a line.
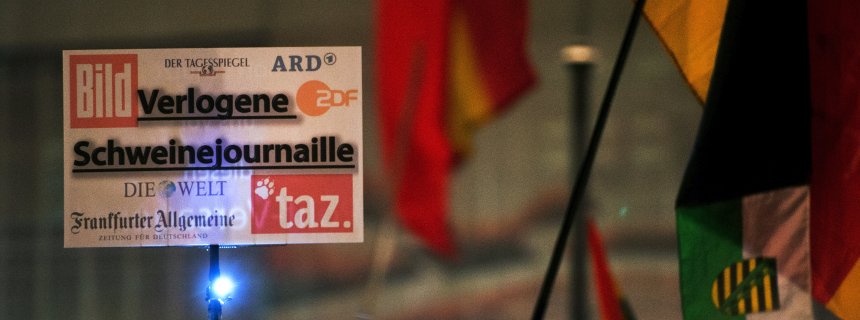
x: 213, y: 303
x: 585, y: 168
x: 580, y: 62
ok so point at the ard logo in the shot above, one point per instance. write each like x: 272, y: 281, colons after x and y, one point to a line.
x: 101, y: 88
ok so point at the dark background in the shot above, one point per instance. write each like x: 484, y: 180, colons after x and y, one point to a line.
x: 506, y: 200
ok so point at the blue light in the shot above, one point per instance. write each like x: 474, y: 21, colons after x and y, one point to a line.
x: 223, y: 287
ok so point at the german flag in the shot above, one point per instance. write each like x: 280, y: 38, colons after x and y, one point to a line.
x: 444, y: 68
x: 690, y: 30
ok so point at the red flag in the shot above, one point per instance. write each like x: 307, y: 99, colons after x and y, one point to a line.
x: 834, y: 56
x: 613, y: 305
x: 444, y: 68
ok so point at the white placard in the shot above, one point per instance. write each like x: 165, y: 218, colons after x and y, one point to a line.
x: 231, y: 146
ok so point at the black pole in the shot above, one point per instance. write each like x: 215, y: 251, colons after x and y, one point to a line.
x: 214, y: 304
x: 585, y: 169
x: 579, y: 60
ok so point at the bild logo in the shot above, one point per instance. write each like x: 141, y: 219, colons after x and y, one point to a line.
x: 101, y: 88
x: 284, y: 204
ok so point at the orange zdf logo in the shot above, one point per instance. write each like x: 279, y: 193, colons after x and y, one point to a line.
x: 101, y: 90
x: 315, y: 98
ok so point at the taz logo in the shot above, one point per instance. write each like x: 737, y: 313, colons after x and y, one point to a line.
x: 101, y: 88
x: 284, y: 204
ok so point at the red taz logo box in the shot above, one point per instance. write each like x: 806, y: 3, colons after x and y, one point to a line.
x: 101, y: 92
x: 283, y: 204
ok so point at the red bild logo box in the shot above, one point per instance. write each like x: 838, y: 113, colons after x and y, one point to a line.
x: 102, y: 91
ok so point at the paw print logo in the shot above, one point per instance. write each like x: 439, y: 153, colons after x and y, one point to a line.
x: 264, y: 188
